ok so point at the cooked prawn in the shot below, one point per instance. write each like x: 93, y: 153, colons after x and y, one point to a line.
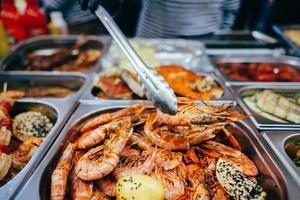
x: 101, y: 160
x: 163, y: 138
x: 191, y: 113
x: 197, y: 189
x: 60, y: 174
x: 133, y: 111
x: 232, y: 156
x: 140, y: 164
x: 80, y: 190
x: 140, y: 140
x: 107, y: 185
x: 94, y: 137
x: 98, y: 195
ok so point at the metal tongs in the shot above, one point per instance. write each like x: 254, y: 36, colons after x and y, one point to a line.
x: 154, y: 86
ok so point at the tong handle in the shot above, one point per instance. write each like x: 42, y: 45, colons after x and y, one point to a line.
x: 121, y: 40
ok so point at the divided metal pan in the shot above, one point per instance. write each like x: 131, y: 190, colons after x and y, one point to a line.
x: 272, y: 179
x: 279, y: 141
x: 49, y: 43
x: 187, y: 53
x: 90, y: 92
x: 260, y: 122
x: 288, y: 60
x: 57, y: 109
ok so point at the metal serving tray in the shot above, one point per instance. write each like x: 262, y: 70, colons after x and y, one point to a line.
x: 58, y: 110
x: 90, y: 92
x: 277, y: 141
x: 25, y: 80
x: 17, y: 57
x: 260, y: 122
x: 188, y: 53
x: 293, y: 61
x: 271, y: 178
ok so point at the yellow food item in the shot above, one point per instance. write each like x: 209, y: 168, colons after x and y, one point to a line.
x: 139, y: 187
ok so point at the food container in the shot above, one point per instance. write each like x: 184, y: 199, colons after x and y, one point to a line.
x: 91, y: 92
x: 260, y: 122
x: 244, y: 43
x: 293, y: 46
x: 272, y: 179
x: 283, y: 144
x: 286, y: 60
x: 157, y: 52
x: 58, y: 110
x: 26, y: 80
x: 47, y: 44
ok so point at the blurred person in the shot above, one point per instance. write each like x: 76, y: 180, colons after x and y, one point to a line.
x: 79, y: 21
x: 180, y: 18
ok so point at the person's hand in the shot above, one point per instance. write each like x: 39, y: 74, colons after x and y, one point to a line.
x: 92, y: 5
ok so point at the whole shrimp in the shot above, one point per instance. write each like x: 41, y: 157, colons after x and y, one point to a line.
x: 60, y: 174
x: 163, y: 138
x: 232, y: 156
x: 80, y: 190
x: 101, y: 160
x: 94, y: 137
x: 197, y: 189
x: 191, y: 113
x: 132, y: 111
x: 136, y: 164
x: 107, y: 185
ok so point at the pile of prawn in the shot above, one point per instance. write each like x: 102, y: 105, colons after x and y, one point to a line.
x: 180, y: 151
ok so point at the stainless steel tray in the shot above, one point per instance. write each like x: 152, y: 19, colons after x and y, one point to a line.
x: 90, y: 92
x: 260, y: 122
x: 188, y: 53
x: 276, y: 140
x: 293, y: 61
x: 24, y: 80
x: 272, y: 180
x: 17, y: 56
x: 58, y: 110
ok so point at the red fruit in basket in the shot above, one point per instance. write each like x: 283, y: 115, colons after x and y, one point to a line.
x: 3, y: 148
x: 6, y: 122
x: 7, y: 105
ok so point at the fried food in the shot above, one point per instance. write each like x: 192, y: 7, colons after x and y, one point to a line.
x: 186, y: 83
